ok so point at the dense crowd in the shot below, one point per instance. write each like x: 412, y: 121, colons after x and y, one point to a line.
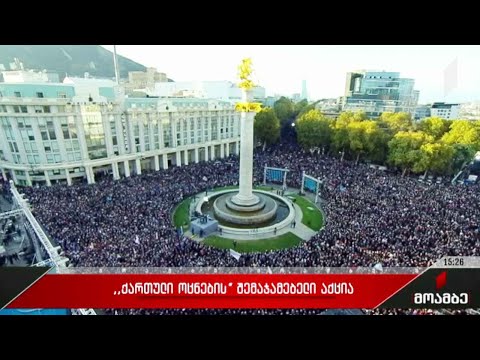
x: 372, y: 217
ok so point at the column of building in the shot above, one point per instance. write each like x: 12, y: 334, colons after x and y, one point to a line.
x: 60, y: 139
x: 18, y: 139
x: 81, y: 134
x: 4, y: 174
x: 68, y: 177
x: 195, y: 136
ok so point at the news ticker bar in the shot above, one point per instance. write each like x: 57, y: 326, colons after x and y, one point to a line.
x: 446, y: 262
x: 452, y: 286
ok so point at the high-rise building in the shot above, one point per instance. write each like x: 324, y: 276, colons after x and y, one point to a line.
x: 76, y: 130
x: 376, y: 92
x: 304, y: 90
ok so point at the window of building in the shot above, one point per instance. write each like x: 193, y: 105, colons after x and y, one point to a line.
x: 38, y: 109
x: 17, y: 94
x: 3, y: 108
x: 39, y: 94
x: 1, y: 94
x: 46, y: 109
x: 51, y: 133
x: 61, y: 95
x: 16, y: 108
x: 23, y: 109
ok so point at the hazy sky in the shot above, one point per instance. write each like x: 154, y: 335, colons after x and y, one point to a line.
x: 281, y: 68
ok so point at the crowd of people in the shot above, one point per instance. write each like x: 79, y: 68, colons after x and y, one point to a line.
x: 372, y: 217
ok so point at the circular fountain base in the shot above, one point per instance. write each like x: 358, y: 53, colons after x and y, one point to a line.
x: 259, y: 205
x: 226, y: 209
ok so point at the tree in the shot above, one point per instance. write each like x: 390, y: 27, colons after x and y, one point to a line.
x: 364, y: 137
x: 434, y: 126
x: 347, y: 117
x: 436, y: 157
x: 300, y: 107
x: 340, y: 140
x: 284, y: 109
x: 313, y: 129
x: 267, y: 126
x: 462, y: 154
x: 396, y: 122
x: 463, y: 132
x: 404, y: 150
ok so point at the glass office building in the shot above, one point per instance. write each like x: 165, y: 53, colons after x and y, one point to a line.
x: 376, y: 92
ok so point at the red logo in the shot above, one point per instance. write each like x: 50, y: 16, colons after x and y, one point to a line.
x: 441, y: 280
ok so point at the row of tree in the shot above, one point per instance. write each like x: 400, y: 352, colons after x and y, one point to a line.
x: 434, y: 144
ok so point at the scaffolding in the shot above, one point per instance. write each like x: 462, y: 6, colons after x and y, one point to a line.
x: 54, y: 257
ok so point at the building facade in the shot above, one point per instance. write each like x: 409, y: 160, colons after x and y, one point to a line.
x: 65, y: 133
x: 422, y: 112
x: 470, y: 111
x: 144, y: 80
x: 445, y: 111
x: 376, y: 92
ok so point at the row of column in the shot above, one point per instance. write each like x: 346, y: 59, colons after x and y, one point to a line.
x: 89, y: 173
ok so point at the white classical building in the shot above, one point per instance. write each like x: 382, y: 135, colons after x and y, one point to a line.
x: 65, y: 132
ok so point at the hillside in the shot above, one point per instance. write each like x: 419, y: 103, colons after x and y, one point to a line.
x: 73, y: 60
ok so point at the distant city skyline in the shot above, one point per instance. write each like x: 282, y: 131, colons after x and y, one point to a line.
x: 281, y: 68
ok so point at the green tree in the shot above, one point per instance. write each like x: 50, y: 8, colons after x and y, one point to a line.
x: 363, y: 137
x: 404, y: 150
x: 462, y: 154
x: 284, y: 109
x: 463, y: 132
x: 396, y: 122
x: 313, y: 129
x: 434, y: 126
x: 300, y: 107
x: 348, y: 117
x: 267, y: 126
x: 436, y: 157
x: 340, y: 138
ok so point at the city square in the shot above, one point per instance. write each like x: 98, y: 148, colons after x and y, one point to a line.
x: 182, y: 177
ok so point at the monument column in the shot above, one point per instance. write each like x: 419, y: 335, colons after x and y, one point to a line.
x: 245, y: 196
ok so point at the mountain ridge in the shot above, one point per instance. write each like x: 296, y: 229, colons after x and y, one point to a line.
x: 71, y: 60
